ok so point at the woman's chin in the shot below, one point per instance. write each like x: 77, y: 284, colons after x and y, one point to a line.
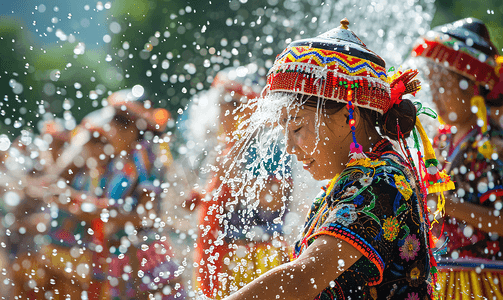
x: 317, y: 175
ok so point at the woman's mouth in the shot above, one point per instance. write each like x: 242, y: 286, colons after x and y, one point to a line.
x: 306, y: 163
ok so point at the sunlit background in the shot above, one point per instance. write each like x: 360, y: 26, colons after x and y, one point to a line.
x: 61, y: 59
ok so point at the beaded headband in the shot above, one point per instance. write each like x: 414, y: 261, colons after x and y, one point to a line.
x: 463, y: 47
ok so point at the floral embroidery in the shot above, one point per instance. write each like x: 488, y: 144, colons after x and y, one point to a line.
x: 415, y: 277
x: 412, y: 296
x: 350, y: 191
x: 358, y: 200
x: 403, y: 186
x: 409, y: 249
x: 415, y: 273
x: 391, y: 227
x: 345, y: 214
x: 366, y: 181
x: 366, y: 162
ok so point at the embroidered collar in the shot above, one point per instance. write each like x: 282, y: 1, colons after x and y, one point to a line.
x: 380, y: 148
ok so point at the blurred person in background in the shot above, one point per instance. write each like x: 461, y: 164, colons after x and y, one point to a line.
x: 107, y: 238
x: 25, y: 217
x: 236, y: 242
x: 465, y: 77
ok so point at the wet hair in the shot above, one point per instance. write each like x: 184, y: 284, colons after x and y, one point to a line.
x: 403, y: 115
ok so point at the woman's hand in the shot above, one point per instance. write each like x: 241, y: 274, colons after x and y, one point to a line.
x: 307, y: 276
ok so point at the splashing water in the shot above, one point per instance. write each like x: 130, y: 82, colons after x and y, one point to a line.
x: 399, y: 23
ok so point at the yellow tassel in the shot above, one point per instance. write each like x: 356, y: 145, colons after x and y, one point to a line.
x: 442, y: 122
x: 165, y: 150
x: 440, y: 212
x: 445, y: 185
x: 478, y: 101
x: 499, y: 64
x: 429, y: 153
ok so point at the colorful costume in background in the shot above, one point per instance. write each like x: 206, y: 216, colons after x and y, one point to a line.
x: 117, y: 189
x: 237, y: 244
x: 377, y: 203
x: 479, y: 180
x: 471, y: 261
x: 124, y: 263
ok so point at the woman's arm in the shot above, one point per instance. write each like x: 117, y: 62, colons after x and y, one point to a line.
x: 307, y: 276
x: 478, y: 216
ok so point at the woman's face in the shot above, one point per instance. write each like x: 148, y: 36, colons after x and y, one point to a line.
x: 323, y: 153
x: 122, y: 133
x: 94, y: 154
x: 451, y: 94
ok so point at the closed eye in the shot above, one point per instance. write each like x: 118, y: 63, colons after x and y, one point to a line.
x: 297, y: 130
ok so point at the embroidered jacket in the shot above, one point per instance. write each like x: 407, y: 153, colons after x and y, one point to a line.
x: 373, y: 206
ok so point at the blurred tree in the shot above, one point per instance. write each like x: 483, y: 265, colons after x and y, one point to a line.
x: 173, y: 48
x: 488, y: 11
x: 63, y: 80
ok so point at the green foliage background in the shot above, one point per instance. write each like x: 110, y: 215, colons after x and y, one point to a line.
x: 179, y: 32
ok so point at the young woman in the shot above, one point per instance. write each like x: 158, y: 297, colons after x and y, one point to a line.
x: 465, y: 78
x: 367, y: 233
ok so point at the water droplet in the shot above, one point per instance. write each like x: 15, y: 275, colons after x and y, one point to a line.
x: 4, y: 142
x: 138, y: 91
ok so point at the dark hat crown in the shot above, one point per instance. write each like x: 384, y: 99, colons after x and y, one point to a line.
x: 343, y: 40
x: 472, y: 32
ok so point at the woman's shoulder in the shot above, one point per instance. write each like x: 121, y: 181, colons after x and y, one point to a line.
x: 389, y: 171
x: 389, y: 162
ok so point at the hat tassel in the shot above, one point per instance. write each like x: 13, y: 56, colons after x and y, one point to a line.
x: 436, y: 181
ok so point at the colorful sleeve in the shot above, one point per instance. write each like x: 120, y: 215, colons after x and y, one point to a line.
x: 150, y: 170
x: 365, y: 209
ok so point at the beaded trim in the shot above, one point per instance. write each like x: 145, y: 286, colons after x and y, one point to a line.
x: 466, y: 60
x: 330, y: 75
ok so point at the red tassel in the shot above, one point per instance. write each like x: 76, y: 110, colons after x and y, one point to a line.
x: 497, y: 90
x: 396, y: 93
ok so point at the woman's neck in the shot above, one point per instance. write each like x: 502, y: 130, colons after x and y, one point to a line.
x: 367, y: 138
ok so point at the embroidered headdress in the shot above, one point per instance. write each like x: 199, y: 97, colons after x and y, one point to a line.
x: 331, y: 65
x: 463, y: 47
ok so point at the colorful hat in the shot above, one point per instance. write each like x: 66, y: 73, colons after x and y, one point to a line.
x: 465, y: 48
x: 331, y: 65
x: 240, y: 81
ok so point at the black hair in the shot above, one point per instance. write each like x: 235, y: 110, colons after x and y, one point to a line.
x: 401, y: 115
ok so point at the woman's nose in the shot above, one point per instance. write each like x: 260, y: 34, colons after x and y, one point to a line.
x: 290, y: 147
